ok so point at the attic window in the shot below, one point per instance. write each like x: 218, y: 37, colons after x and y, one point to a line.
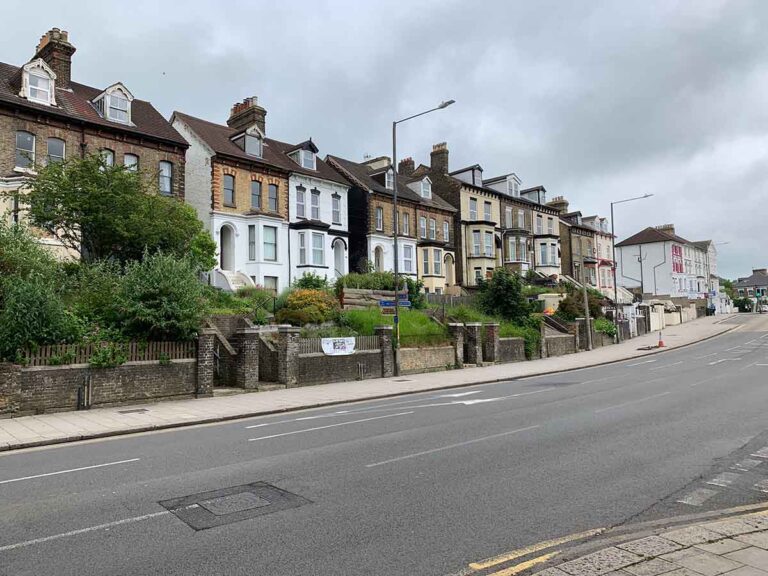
x: 389, y: 178
x: 513, y: 188
x: 119, y: 108
x: 38, y: 83
x: 307, y: 159
x: 253, y: 145
x: 426, y: 188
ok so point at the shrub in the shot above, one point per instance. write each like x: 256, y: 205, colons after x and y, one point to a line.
x: 161, y: 299
x: 33, y: 314
x: 605, y: 326
x: 108, y: 355
x: 22, y: 256
x: 530, y: 331
x: 572, y: 306
x: 308, y: 307
x: 743, y: 304
x: 311, y: 281
x: 94, y: 291
x: 502, y: 295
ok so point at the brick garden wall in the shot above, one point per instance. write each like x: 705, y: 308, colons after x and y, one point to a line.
x: 432, y: 359
x: 319, y: 368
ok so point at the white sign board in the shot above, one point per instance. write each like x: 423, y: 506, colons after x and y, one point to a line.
x: 338, y: 346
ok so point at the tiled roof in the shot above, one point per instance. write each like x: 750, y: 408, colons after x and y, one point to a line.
x: 651, y: 235
x: 755, y: 279
x: 363, y: 175
x: 75, y: 104
x: 275, y: 153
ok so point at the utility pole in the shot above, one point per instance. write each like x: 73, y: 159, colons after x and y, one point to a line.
x: 586, y: 315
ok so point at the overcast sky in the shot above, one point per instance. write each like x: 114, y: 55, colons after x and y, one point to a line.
x: 597, y: 101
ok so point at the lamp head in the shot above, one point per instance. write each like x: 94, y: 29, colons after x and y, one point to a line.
x: 446, y: 104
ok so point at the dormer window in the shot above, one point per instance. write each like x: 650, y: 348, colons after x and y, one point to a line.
x: 389, y: 180
x: 308, y: 159
x: 38, y: 83
x: 253, y: 145
x: 426, y: 188
x: 251, y: 142
x: 114, y: 104
x: 513, y: 187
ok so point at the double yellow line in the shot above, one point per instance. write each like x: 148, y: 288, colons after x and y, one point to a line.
x: 528, y: 550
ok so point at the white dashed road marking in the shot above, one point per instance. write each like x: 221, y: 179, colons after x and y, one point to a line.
x: 724, y: 479
x: 698, y: 497
x: 746, y: 464
x: 631, y: 402
x: 68, y: 471
x: 329, y: 426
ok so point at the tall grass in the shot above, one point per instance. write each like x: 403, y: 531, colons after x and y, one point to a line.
x: 416, y: 328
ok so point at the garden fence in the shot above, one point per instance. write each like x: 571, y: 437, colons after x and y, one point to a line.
x: 58, y: 354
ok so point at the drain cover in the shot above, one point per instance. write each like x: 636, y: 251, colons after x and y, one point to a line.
x: 220, y: 507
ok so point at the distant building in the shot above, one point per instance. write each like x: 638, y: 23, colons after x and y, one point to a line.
x: 754, y: 285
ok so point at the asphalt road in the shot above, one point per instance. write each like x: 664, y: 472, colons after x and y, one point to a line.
x: 422, y: 484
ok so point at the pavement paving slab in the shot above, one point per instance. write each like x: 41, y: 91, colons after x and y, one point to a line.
x: 752, y: 556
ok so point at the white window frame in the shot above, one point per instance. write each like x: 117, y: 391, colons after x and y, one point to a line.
x: 163, y: 177
x: 512, y: 248
x: 336, y: 209
x: 134, y: 167
x: 425, y: 261
x: 426, y: 188
x: 318, y: 249
x: 488, y: 246
x: 407, y: 258
x: 422, y: 226
x: 113, y: 98
x: 389, y: 180
x: 487, y: 211
x: 521, y: 219
x: 550, y: 225
x: 553, y: 254
x: 27, y: 155
x: 265, y: 243
x: 523, y: 251
x: 308, y: 160
x: 379, y: 218
x: 42, y: 75
x: 543, y: 254
x: 314, y: 198
x: 302, y: 248
x: 437, y: 261
x: 270, y: 188
x: 508, y: 219
x: 476, y: 240
x: 446, y: 231
x: 406, y: 224
x: 251, y: 242
x: 473, y: 208
x: 539, y: 224
x: 301, y: 211
x: 432, y: 229
x: 259, y: 145
x: 108, y: 155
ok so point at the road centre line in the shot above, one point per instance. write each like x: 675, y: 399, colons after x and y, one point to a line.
x: 665, y: 366
x: 632, y: 402
x: 329, y: 426
x: 450, y: 446
x: 706, y: 356
x: 638, y: 363
x: 520, y: 552
x: 68, y: 471
x: 82, y: 531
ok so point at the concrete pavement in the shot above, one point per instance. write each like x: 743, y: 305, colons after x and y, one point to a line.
x: 61, y: 427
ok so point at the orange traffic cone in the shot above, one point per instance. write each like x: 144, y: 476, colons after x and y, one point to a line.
x: 661, y: 341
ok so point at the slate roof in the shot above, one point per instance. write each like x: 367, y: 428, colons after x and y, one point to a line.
x: 651, y: 235
x: 275, y: 153
x: 363, y: 175
x: 76, y: 105
x: 755, y: 279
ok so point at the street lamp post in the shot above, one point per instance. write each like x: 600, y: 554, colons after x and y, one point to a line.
x: 613, y: 246
x: 395, y: 223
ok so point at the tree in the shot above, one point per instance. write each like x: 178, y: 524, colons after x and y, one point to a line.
x: 572, y: 306
x: 111, y: 212
x: 502, y: 295
x: 729, y: 289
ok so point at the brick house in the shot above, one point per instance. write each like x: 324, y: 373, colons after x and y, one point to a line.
x: 275, y: 210
x: 425, y: 230
x: 46, y: 117
x: 546, y: 232
x: 516, y: 222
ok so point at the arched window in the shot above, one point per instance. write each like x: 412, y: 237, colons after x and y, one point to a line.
x: 229, y: 190
x: 131, y: 161
x: 38, y: 83
x: 55, y: 150
x: 255, y: 194
x: 25, y: 149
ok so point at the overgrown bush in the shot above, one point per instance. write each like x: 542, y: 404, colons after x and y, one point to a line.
x: 93, y: 292
x: 502, y: 295
x: 530, y: 331
x: 743, y: 304
x: 308, y: 307
x: 311, y: 281
x: 161, y: 299
x: 572, y: 306
x: 32, y: 314
x: 605, y: 326
x: 108, y: 355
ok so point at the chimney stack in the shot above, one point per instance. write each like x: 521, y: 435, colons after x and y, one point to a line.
x: 666, y: 228
x: 559, y: 203
x: 247, y: 113
x: 406, y: 166
x: 763, y: 271
x: 439, y: 158
x: 54, y: 48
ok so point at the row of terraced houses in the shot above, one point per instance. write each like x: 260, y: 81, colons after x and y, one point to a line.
x: 278, y: 210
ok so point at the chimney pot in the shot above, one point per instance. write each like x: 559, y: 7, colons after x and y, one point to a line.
x: 54, y: 48
x: 247, y: 113
x: 439, y: 158
x: 406, y: 166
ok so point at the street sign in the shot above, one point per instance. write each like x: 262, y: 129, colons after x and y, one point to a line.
x: 387, y: 303
x: 404, y: 303
x: 388, y: 311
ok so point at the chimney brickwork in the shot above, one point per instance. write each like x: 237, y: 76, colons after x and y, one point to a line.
x: 406, y: 166
x: 439, y: 158
x: 54, y: 48
x: 247, y: 113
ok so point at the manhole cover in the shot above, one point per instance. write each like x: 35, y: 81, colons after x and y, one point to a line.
x: 219, y: 507
x: 234, y: 503
x: 133, y: 411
